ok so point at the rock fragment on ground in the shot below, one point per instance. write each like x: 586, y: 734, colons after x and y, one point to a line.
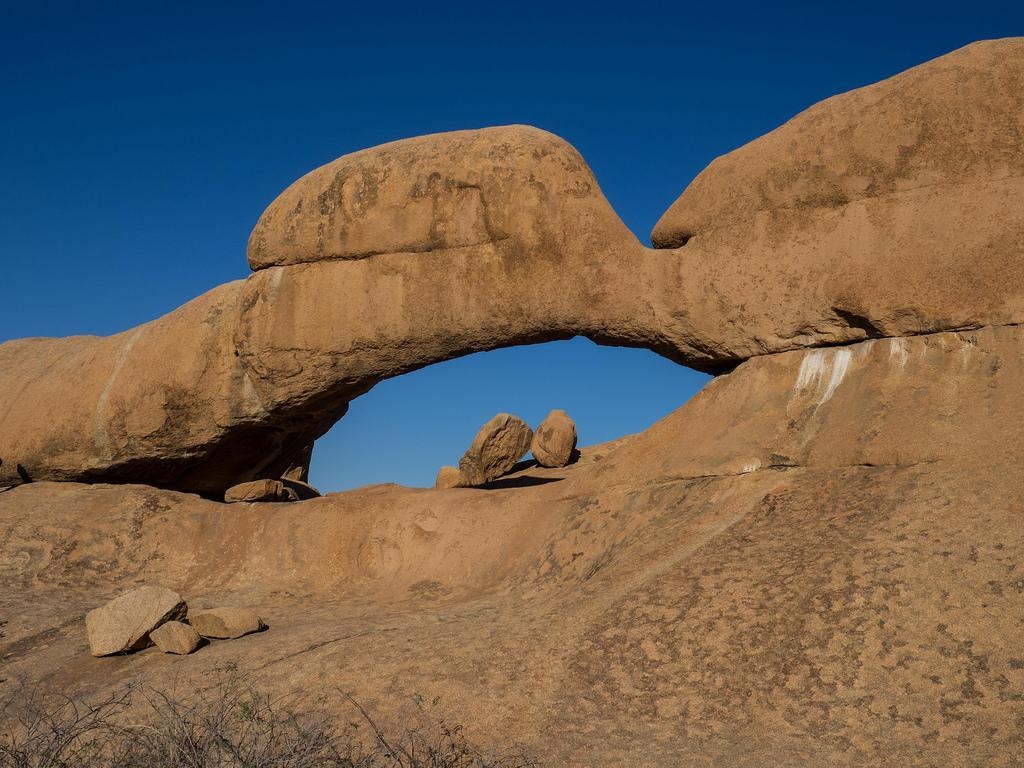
x: 175, y: 637
x: 300, y: 488
x: 451, y: 477
x: 261, y: 490
x: 226, y: 623
x: 125, y: 622
x: 554, y: 442
x: 499, y: 444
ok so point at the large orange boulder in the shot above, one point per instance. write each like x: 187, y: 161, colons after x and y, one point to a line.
x: 891, y: 210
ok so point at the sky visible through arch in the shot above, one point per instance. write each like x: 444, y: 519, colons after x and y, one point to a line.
x: 140, y: 142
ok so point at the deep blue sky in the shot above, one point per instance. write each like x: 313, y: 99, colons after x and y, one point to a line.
x: 140, y: 142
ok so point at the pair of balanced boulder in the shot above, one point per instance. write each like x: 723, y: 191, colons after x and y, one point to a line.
x: 157, y: 616
x: 503, y: 441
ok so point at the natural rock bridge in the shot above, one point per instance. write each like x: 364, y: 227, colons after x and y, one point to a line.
x: 419, y: 251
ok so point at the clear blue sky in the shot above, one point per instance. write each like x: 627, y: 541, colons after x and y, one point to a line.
x: 141, y: 141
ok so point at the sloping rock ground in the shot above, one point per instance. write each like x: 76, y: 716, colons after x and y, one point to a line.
x: 817, y: 561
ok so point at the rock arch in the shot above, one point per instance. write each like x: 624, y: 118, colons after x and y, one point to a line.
x: 889, y: 211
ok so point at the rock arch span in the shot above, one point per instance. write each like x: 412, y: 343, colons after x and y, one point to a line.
x: 890, y: 211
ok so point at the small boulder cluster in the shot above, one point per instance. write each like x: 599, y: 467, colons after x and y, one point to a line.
x: 293, y: 485
x: 503, y: 441
x: 157, y: 616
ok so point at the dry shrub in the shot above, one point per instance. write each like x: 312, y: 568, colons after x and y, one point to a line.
x: 231, y: 725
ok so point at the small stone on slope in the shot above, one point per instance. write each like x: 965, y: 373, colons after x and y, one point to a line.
x: 499, y: 444
x: 125, y: 622
x: 226, y: 623
x: 451, y: 477
x: 555, y: 440
x: 260, y: 490
x: 175, y: 637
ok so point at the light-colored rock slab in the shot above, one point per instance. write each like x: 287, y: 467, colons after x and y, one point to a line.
x: 226, y: 623
x: 125, y: 622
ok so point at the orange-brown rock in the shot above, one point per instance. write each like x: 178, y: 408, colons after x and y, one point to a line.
x: 226, y: 623
x: 124, y: 623
x: 815, y: 561
x: 235, y: 385
x: 497, y: 447
x: 259, y: 490
x: 451, y: 477
x: 441, y: 192
x: 298, y: 489
x: 175, y: 637
x: 554, y: 441
x: 890, y: 210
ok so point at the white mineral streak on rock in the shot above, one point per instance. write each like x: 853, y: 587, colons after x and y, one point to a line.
x: 823, y: 370
x: 966, y: 350
x: 898, y: 351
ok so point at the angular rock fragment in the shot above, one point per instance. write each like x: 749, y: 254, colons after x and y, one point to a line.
x: 125, y: 622
x: 555, y: 440
x: 175, y: 637
x: 260, y: 490
x: 499, y: 444
x: 226, y: 623
x: 451, y: 477
x: 300, y: 488
x: 298, y: 467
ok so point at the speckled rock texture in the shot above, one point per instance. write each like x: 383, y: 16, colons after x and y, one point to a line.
x: 816, y: 561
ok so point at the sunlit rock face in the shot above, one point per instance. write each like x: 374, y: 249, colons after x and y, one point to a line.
x: 889, y: 211
x: 508, y: 240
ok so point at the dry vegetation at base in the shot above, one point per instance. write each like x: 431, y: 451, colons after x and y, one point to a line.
x: 233, y: 725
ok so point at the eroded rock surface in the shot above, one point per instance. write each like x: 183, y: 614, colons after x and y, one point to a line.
x: 430, y: 193
x: 237, y: 384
